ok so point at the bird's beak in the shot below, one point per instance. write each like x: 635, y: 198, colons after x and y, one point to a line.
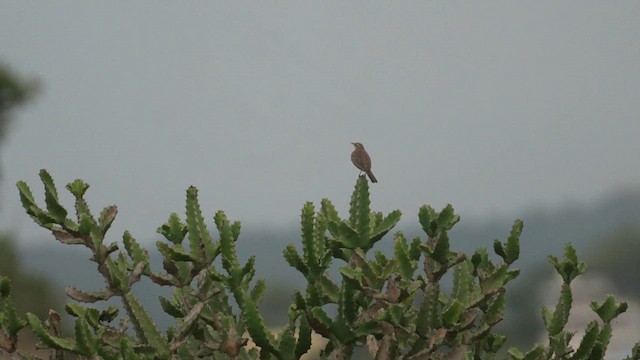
x: 354, y: 144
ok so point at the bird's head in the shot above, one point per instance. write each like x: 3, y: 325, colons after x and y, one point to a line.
x: 358, y: 145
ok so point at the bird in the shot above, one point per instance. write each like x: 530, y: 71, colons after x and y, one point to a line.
x: 362, y: 161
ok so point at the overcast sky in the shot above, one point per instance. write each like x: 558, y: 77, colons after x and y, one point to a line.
x: 494, y: 107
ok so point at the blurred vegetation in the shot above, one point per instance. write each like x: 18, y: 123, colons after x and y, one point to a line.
x: 15, y: 91
x: 616, y: 257
x: 31, y: 292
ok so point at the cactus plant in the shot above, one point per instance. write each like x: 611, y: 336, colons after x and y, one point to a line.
x: 393, y: 305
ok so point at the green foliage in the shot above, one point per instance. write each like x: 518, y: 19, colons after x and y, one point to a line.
x: 395, y: 307
x: 380, y: 298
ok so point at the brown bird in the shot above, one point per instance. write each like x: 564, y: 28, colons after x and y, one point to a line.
x: 362, y: 161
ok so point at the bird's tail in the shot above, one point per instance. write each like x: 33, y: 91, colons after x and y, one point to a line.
x: 371, y: 177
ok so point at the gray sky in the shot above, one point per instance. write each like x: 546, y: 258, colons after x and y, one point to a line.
x: 491, y: 106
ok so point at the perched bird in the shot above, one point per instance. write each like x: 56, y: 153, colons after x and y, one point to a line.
x: 362, y: 161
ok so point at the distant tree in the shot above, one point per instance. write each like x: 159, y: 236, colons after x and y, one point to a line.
x: 617, y: 258
x: 14, y: 91
x: 31, y: 292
